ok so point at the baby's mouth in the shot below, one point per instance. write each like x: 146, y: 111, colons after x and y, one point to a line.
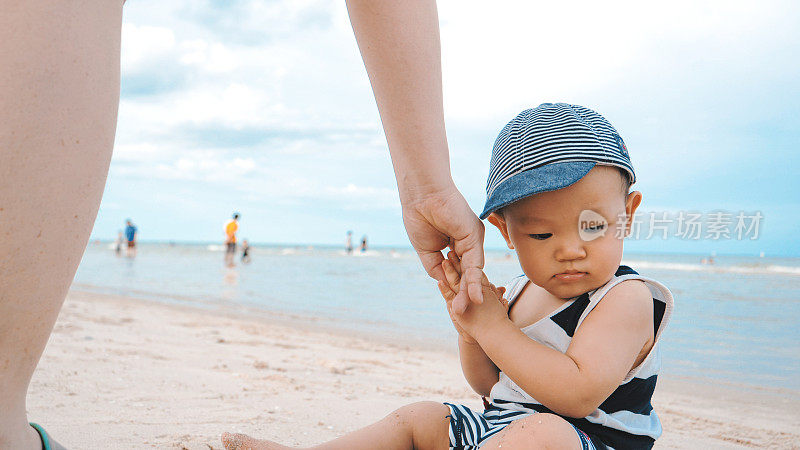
x: 570, y: 276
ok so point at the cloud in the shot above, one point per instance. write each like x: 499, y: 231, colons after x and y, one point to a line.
x: 138, y: 152
x: 257, y: 22
x: 361, y: 197
x: 149, y: 61
x: 196, y: 79
x: 268, y: 103
x: 502, y: 57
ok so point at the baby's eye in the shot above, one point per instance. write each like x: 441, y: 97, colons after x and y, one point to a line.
x: 595, y: 228
x: 541, y: 236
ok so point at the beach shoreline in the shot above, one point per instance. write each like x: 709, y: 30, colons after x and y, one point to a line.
x: 122, y: 372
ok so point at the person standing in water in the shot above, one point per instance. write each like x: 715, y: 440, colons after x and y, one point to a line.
x: 118, y: 243
x: 245, y: 251
x: 130, y: 235
x: 231, y: 227
x: 363, y: 247
x: 348, y: 246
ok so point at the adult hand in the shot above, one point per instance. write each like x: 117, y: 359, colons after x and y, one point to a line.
x: 440, y: 219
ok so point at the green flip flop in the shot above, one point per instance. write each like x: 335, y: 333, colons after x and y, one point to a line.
x: 47, y: 443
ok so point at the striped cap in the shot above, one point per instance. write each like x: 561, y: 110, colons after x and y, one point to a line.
x: 547, y: 148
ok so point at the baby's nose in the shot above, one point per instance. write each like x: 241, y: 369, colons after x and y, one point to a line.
x: 571, y: 249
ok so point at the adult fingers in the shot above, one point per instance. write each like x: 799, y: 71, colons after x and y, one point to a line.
x: 432, y: 262
x: 474, y: 283
x: 461, y: 301
x: 470, y: 289
x: 470, y: 251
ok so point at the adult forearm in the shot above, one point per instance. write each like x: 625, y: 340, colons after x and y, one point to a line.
x: 479, y: 370
x: 549, y: 376
x: 399, y: 42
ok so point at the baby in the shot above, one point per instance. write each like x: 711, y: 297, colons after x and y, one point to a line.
x: 569, y: 358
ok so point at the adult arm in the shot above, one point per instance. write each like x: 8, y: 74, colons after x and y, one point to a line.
x: 399, y: 42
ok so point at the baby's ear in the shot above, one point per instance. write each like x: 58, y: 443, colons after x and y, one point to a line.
x: 500, y: 222
x: 632, y: 202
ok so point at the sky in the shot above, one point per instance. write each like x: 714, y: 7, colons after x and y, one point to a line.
x: 264, y: 107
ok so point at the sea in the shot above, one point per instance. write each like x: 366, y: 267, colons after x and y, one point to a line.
x: 735, y: 321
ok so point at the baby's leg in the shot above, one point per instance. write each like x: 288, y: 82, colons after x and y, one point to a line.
x: 422, y: 425
x: 535, y: 432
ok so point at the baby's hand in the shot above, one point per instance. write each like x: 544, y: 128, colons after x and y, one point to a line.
x: 452, y: 271
x: 449, y: 295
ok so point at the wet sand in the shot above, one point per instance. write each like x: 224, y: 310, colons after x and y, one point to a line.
x: 129, y: 373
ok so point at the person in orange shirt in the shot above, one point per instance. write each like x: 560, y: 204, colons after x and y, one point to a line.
x: 230, y: 239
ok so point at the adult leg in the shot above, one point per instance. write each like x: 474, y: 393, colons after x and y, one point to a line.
x: 537, y: 431
x: 59, y: 92
x: 422, y: 425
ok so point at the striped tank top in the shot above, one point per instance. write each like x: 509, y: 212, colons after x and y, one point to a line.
x: 626, y: 419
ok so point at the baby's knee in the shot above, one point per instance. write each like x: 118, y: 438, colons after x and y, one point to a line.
x: 538, y: 431
x: 421, y: 412
x: 426, y: 422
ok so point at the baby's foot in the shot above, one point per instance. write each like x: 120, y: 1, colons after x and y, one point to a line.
x: 244, y: 442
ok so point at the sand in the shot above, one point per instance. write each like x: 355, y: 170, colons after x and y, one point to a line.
x: 130, y: 373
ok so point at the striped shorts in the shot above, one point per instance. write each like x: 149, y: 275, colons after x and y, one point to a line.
x: 469, y: 429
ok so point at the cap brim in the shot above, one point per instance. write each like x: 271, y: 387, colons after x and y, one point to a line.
x: 549, y: 177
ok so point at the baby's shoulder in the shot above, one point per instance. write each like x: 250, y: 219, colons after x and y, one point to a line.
x: 628, y: 288
x: 628, y: 303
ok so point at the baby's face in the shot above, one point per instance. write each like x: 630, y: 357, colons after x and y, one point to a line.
x: 569, y: 241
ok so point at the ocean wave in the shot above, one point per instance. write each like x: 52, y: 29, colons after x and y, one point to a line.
x: 772, y: 268
x: 739, y: 268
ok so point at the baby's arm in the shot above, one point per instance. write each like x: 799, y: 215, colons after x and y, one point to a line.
x: 599, y: 357
x: 480, y: 372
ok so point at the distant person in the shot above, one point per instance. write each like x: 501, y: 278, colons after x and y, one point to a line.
x: 130, y: 234
x: 363, y: 246
x: 348, y: 246
x: 231, y: 227
x: 118, y: 243
x: 245, y: 251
